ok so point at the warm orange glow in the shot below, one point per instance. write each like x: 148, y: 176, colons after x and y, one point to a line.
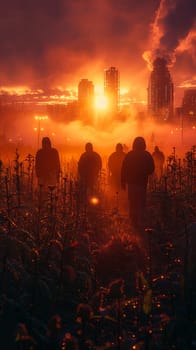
x: 124, y: 91
x: 16, y: 90
x: 187, y: 84
x: 101, y: 102
x: 187, y: 43
x: 94, y: 200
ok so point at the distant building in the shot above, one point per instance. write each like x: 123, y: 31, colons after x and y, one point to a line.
x: 86, y: 93
x: 160, y: 92
x: 189, y: 105
x: 86, y: 100
x: 112, y: 88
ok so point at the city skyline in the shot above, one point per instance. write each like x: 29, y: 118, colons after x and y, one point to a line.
x: 54, y: 96
x: 50, y: 48
x: 47, y: 47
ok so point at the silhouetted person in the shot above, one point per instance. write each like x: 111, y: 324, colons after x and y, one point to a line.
x: 89, y: 167
x: 137, y: 166
x: 159, y: 160
x: 47, y: 164
x: 115, y: 161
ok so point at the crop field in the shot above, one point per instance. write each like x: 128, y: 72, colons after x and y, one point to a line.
x: 74, y: 274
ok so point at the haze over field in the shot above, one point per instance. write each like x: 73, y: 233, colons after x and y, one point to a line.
x: 47, y: 47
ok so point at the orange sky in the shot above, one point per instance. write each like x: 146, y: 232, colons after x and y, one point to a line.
x: 47, y: 46
x: 50, y: 45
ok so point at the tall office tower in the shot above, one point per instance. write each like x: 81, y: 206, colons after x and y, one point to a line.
x: 189, y: 104
x: 112, y: 88
x: 160, y: 91
x: 86, y: 93
x: 86, y: 100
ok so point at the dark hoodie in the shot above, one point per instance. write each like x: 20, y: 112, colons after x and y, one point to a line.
x: 137, y: 165
x: 47, y: 163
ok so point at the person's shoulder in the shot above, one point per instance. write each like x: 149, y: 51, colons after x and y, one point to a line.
x: 39, y: 151
x: 148, y: 154
x: 82, y: 155
x: 128, y: 155
x: 96, y: 154
x: 112, y: 155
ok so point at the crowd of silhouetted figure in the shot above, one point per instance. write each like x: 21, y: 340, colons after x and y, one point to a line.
x: 126, y: 171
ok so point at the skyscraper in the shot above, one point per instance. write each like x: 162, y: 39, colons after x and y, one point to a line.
x: 189, y: 104
x: 86, y: 100
x: 86, y: 93
x: 160, y: 91
x: 112, y: 88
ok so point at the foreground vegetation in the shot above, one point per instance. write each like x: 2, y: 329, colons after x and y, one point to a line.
x: 75, y: 275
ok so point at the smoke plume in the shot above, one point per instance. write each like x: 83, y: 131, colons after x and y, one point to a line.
x: 174, y: 22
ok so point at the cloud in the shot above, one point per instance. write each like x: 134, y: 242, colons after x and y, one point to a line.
x: 173, y: 24
x: 45, y: 43
x: 188, y: 83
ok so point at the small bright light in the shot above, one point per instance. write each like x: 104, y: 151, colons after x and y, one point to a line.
x: 41, y: 117
x: 94, y: 200
x: 101, y: 102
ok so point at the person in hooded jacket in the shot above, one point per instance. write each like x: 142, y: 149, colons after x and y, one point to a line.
x: 114, y: 166
x: 47, y: 164
x: 136, y: 168
x: 159, y: 159
x: 89, y: 168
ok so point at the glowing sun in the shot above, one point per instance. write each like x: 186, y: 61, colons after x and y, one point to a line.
x: 101, y: 102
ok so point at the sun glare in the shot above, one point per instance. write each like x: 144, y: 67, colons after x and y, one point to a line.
x: 101, y: 102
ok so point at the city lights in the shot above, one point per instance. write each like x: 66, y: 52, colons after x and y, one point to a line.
x: 39, y: 118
